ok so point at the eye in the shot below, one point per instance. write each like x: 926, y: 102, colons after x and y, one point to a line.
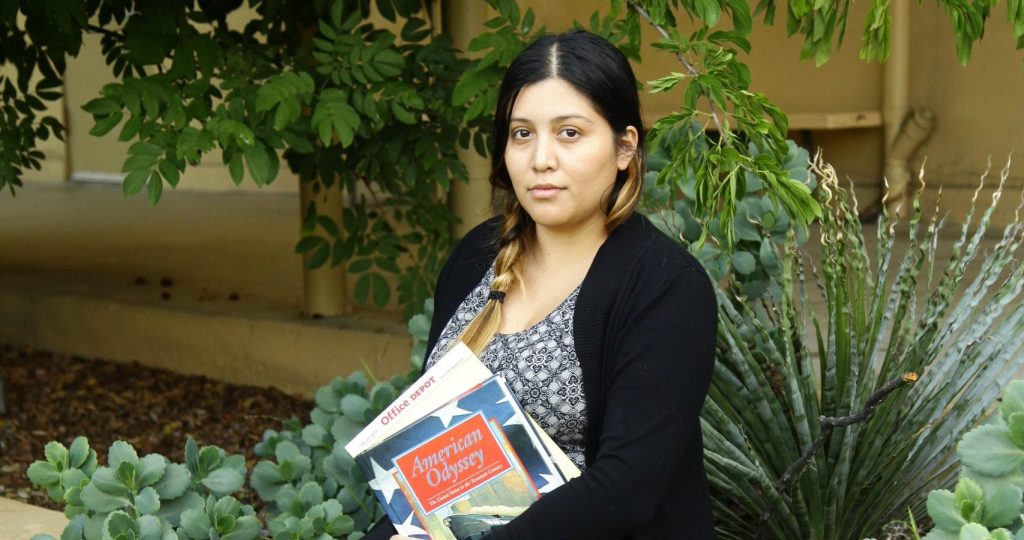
x: 520, y: 133
x: 570, y: 133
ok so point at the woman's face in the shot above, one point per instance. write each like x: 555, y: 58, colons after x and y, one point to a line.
x: 562, y: 156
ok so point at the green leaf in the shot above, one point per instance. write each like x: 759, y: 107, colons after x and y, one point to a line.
x: 345, y: 429
x: 333, y: 115
x: 224, y: 481
x: 1015, y: 425
x: 56, y: 454
x: 263, y: 163
x: 78, y: 453
x: 155, y: 188
x: 151, y: 469
x: 147, y: 501
x: 134, y: 182
x: 171, y: 510
x: 235, y: 168
x: 943, y: 510
x: 1013, y: 399
x: 1003, y: 504
x: 174, y: 482
x: 43, y: 474
x: 106, y: 480
x: 101, y: 106
x: 108, y: 123
x: 170, y: 172
x: 196, y: 523
x: 246, y: 528
x: 100, y: 502
x: 974, y: 531
x: 151, y: 528
x: 119, y: 526
x: 355, y: 407
x: 989, y: 450
x: 744, y: 262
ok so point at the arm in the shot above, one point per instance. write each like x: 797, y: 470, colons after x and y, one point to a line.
x: 664, y: 354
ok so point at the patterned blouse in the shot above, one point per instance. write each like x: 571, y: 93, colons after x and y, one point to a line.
x: 539, y: 364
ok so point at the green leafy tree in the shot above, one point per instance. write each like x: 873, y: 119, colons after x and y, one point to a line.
x: 345, y: 103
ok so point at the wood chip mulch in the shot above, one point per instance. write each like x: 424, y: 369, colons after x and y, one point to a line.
x: 58, y: 397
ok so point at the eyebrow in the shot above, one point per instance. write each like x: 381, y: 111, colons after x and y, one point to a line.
x: 556, y: 119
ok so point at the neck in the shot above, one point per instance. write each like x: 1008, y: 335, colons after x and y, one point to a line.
x: 556, y: 247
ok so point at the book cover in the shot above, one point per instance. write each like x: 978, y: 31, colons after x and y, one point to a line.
x: 468, y: 465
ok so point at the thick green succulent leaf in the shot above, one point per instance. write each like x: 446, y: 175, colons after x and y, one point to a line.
x: 267, y: 480
x: 171, y: 510
x: 223, y: 481
x: 99, y: 501
x: 355, y: 406
x: 120, y: 526
x: 1003, y: 504
x: 1013, y: 399
x: 345, y: 429
x: 210, y: 458
x: 43, y: 473
x: 246, y: 528
x: 121, y: 452
x: 78, y: 453
x: 1015, y: 425
x: 196, y: 524
x: 147, y: 501
x: 105, y: 479
x: 56, y: 454
x: 175, y: 480
x: 944, y: 512
x: 227, y: 506
x: 75, y: 529
x: 127, y: 473
x: 970, y: 499
x: 974, y: 531
x: 151, y: 469
x: 1001, y: 534
x: 311, y: 494
x: 989, y: 450
x: 151, y: 528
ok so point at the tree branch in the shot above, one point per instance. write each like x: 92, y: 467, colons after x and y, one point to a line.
x: 690, y: 69
x: 827, y: 425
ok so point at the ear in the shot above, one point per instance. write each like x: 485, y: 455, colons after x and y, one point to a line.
x: 626, y: 143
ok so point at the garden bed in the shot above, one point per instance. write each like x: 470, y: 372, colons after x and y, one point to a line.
x: 58, y: 397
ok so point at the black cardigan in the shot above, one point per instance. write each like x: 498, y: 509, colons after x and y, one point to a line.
x: 644, y: 329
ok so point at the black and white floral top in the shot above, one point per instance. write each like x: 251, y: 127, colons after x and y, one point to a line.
x: 539, y: 364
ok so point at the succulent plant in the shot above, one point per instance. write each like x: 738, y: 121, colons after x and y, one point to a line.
x: 990, y: 492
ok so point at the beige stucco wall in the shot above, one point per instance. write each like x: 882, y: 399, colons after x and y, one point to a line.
x: 980, y: 107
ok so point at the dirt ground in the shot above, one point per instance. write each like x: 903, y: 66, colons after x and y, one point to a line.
x: 58, y: 397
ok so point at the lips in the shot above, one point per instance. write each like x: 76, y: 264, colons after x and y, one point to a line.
x: 544, y: 191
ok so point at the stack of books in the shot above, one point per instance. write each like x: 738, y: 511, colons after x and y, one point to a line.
x: 456, y: 455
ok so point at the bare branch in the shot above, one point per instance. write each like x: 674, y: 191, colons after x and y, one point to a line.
x: 827, y: 424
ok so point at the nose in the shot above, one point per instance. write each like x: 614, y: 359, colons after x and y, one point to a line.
x: 544, y: 158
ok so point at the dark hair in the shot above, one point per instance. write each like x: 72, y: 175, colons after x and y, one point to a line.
x: 596, y: 69
x: 599, y: 71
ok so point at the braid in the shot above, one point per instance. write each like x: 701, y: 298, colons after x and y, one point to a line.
x: 515, y: 230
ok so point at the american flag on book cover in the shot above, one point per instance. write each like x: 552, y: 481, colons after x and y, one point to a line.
x: 478, y: 454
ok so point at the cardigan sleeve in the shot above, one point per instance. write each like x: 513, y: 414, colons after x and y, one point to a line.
x: 663, y: 354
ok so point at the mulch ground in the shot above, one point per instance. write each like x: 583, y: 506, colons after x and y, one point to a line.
x: 58, y: 397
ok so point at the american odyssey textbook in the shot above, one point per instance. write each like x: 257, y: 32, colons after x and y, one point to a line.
x: 473, y: 463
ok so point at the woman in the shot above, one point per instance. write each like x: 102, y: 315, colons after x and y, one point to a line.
x: 603, y: 327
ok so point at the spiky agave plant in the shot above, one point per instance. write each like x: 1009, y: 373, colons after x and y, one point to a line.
x: 772, y: 392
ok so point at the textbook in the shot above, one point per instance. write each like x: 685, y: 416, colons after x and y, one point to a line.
x: 472, y: 461
x: 453, y: 374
